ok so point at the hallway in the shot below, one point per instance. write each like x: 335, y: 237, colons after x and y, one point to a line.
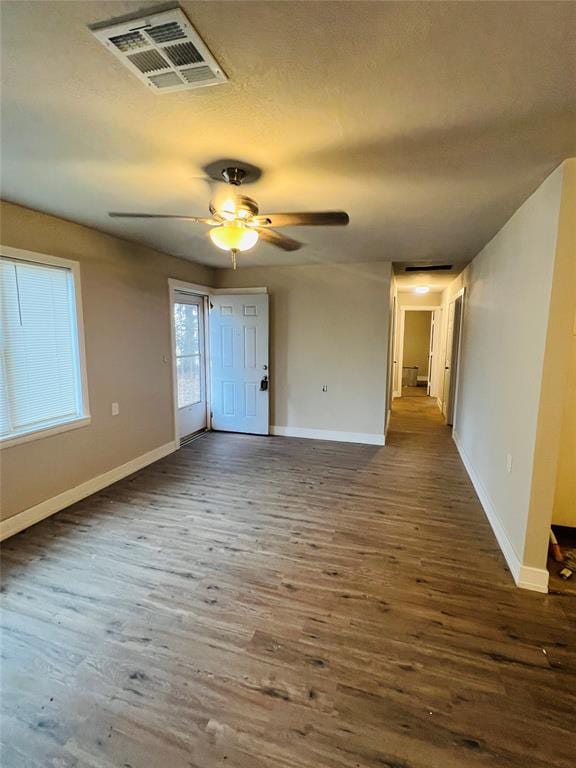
x: 275, y: 602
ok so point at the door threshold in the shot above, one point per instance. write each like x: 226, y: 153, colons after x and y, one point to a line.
x: 194, y: 436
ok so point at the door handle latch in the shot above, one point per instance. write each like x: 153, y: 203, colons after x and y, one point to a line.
x: 263, y: 383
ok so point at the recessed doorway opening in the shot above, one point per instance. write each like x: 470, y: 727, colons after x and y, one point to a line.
x: 417, y: 351
x: 416, y: 354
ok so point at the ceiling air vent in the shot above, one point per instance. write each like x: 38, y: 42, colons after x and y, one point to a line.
x: 430, y: 268
x: 163, y: 50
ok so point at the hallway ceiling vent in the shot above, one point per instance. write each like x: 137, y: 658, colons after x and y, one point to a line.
x: 163, y: 50
x: 430, y: 268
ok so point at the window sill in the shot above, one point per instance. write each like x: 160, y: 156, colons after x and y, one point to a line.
x: 38, y: 434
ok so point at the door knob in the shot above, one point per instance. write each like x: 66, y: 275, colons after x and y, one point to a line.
x: 264, y: 384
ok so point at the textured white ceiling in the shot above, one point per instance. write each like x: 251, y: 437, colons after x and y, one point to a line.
x: 428, y: 122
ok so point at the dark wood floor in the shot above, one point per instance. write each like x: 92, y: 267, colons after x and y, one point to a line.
x: 282, y: 603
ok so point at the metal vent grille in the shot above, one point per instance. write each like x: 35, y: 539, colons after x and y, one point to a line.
x: 430, y: 268
x: 165, y: 80
x: 148, y: 61
x: 129, y: 41
x: 183, y: 54
x: 163, y: 50
x: 164, y: 33
x: 197, y: 74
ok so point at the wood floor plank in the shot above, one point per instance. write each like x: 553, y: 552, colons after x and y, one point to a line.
x: 258, y: 602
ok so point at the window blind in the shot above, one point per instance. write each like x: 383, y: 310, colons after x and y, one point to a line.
x: 40, y: 378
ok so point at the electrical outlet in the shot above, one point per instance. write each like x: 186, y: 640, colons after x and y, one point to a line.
x: 115, y: 409
x: 508, y: 463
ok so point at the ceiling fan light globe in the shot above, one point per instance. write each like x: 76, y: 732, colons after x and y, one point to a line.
x: 234, y: 236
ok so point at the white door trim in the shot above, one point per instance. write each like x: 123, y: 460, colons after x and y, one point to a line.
x: 180, y: 285
x: 461, y: 293
x: 403, y: 310
x: 197, y: 290
x: 238, y: 290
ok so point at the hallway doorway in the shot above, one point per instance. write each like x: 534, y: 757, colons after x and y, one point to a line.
x: 416, y: 351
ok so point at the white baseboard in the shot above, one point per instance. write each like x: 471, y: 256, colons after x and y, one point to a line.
x: 46, y: 508
x: 535, y: 579
x: 367, y: 438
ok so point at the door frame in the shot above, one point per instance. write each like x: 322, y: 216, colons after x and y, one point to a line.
x: 435, y: 352
x: 194, y: 289
x: 400, y: 349
x: 461, y: 294
x: 391, y: 362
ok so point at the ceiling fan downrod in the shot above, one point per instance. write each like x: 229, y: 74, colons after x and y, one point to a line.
x: 234, y: 176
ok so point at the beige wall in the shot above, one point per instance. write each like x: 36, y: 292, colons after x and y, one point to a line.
x: 565, y: 492
x: 417, y: 340
x: 518, y: 290
x: 411, y: 299
x: 127, y: 331
x: 553, y: 435
x: 329, y: 325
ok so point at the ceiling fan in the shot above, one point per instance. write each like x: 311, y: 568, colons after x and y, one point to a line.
x: 237, y: 224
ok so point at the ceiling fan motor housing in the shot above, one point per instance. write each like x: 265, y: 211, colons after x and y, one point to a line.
x: 234, y: 176
x: 244, y: 208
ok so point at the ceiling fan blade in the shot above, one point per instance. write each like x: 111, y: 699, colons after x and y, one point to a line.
x: 319, y: 219
x: 279, y: 240
x: 195, y: 219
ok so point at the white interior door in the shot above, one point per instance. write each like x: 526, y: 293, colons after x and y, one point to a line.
x: 448, y: 361
x: 436, y: 363
x: 454, y: 361
x: 188, y: 319
x: 431, y: 345
x: 239, y: 362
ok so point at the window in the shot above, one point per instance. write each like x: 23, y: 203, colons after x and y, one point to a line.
x: 42, y: 379
x: 188, y: 356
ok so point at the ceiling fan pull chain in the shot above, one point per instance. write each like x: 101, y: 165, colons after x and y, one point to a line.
x: 233, y: 256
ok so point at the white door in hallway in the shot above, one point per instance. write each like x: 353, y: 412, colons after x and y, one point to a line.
x: 453, y: 334
x: 431, y: 345
x: 239, y: 363
x: 188, y: 319
x: 448, y: 360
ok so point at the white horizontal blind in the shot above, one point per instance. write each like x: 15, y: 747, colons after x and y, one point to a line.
x: 40, y: 380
